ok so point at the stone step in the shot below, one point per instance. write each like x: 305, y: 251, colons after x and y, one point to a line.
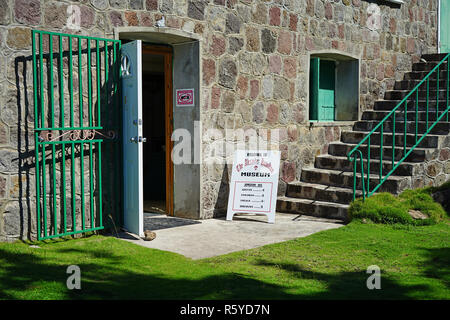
x: 320, y: 192
x: 331, y: 162
x: 411, y: 84
x: 428, y: 66
x: 379, y: 115
x: 411, y: 105
x: 343, y: 179
x: 441, y: 128
x: 433, y: 57
x: 420, y: 75
x: 355, y: 137
x: 314, y: 208
x: 432, y: 94
x: 416, y: 155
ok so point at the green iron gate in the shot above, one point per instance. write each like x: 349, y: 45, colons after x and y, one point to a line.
x: 76, y: 86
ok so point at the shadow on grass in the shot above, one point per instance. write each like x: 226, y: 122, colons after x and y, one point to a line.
x: 107, y: 276
x: 347, y: 285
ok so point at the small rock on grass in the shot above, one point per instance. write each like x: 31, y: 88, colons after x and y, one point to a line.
x: 416, y: 214
x: 149, y: 235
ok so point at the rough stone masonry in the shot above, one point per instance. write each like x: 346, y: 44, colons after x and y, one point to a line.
x: 254, y: 62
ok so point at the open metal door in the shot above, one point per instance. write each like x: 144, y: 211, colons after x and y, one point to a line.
x: 71, y: 131
x: 131, y: 65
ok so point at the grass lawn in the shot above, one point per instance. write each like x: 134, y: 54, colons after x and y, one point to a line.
x: 414, y: 262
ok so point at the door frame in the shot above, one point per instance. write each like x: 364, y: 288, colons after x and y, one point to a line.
x: 167, y: 53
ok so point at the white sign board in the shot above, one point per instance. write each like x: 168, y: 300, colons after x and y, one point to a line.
x: 254, y: 183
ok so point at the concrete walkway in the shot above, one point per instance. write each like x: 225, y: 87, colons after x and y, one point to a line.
x: 199, y: 239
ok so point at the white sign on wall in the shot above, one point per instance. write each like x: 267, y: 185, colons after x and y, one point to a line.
x: 254, y: 183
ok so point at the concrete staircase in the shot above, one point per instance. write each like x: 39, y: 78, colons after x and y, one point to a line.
x: 327, y: 189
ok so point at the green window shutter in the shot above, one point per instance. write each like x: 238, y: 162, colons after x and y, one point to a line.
x: 314, y: 89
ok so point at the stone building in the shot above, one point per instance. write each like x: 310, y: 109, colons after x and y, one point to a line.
x: 249, y: 63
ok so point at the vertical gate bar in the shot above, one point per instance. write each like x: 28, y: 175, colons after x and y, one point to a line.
x: 80, y: 93
x: 106, y: 69
x: 354, y: 177
x: 62, y: 125
x: 428, y: 88
x: 381, y: 151
x: 393, y: 139
x: 55, y: 217
x: 36, y: 135
x: 91, y: 185
x: 41, y: 87
x: 417, y: 112
x: 80, y: 80
x: 448, y: 79
x: 55, y: 211
x: 100, y: 183
x: 437, y: 94
x: 97, y: 43
x: 89, y: 81
x: 72, y: 124
x: 63, y: 162
x: 83, y: 224
x: 368, y: 166
x: 72, y: 162
x: 61, y: 82
x: 406, y: 128
x: 50, y: 71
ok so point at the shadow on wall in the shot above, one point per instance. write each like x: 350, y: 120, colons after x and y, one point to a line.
x: 220, y: 207
x: 20, y: 207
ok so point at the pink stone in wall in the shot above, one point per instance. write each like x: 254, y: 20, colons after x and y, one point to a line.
x: 116, y: 18
x: 131, y: 18
x: 288, y: 171
x: 152, y: 5
x: 292, y: 133
x: 284, y: 42
x: 242, y: 86
x: 209, y: 71
x: 254, y: 89
x: 217, y: 45
x: 146, y: 19
x: 290, y: 67
x: 272, y: 113
x: 275, y: 64
x: 215, y: 97
x: 293, y: 21
x: 410, y: 45
x: 328, y: 11
x: 27, y: 11
x: 284, y: 151
x: 444, y: 155
x: 274, y: 16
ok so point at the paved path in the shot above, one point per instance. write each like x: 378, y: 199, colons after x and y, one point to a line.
x: 199, y: 239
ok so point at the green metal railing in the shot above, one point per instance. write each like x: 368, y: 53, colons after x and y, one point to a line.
x: 64, y: 133
x: 357, y: 153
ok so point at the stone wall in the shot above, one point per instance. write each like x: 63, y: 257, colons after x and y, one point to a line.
x: 254, y: 60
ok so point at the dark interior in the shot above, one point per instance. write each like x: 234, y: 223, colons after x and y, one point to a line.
x: 153, y: 113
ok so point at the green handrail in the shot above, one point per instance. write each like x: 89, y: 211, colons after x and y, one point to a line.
x: 356, y: 152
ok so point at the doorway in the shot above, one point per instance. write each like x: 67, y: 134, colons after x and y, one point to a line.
x: 157, y: 129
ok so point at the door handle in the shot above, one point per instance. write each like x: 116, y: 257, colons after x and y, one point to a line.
x: 138, y: 139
